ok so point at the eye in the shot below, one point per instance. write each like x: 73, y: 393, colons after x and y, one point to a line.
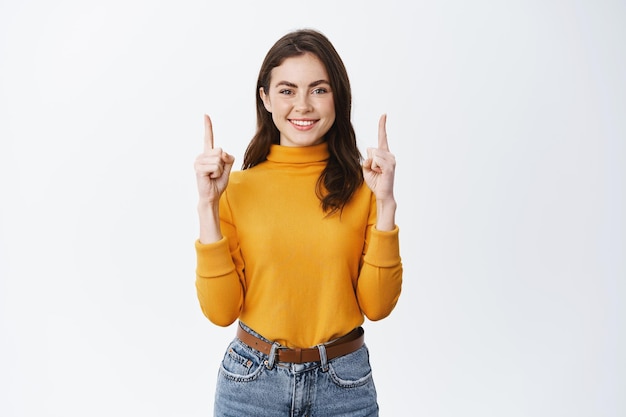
x: 320, y: 90
x: 286, y: 91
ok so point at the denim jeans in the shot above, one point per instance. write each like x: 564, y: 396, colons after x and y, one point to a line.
x: 252, y: 384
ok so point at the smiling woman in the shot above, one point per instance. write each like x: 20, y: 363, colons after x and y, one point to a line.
x: 300, y: 100
x: 303, y: 224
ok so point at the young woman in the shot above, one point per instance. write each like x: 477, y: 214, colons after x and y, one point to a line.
x: 300, y: 245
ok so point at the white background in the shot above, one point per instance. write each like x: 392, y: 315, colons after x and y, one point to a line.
x: 508, y: 122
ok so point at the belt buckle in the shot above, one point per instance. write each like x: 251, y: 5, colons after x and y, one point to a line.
x: 273, y: 357
x: 277, y: 353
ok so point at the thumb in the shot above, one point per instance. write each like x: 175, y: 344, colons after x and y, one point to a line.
x: 367, y: 164
x: 229, y: 160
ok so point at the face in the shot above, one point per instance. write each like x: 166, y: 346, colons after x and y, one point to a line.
x: 300, y: 100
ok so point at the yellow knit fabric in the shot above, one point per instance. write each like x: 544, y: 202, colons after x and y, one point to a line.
x: 287, y: 270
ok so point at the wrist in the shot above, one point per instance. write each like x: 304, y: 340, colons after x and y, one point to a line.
x: 209, y: 219
x: 206, y: 205
x: 386, y: 214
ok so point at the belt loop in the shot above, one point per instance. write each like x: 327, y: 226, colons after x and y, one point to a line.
x: 269, y: 363
x: 323, y: 359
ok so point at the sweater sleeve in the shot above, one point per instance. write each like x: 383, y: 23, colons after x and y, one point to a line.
x: 219, y: 276
x: 380, y: 279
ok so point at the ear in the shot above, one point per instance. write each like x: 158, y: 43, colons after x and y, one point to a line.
x: 266, y: 99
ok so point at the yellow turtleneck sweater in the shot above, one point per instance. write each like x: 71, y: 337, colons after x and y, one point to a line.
x: 285, y: 269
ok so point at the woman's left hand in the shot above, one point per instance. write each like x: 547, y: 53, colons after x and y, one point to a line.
x: 380, y: 166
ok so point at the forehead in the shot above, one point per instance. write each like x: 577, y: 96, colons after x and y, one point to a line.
x: 300, y: 69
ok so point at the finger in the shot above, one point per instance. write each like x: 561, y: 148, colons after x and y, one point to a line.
x: 216, y: 171
x: 371, y: 153
x: 382, y: 133
x: 208, y: 133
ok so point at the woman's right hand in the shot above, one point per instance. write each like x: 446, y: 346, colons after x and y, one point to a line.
x: 212, y: 168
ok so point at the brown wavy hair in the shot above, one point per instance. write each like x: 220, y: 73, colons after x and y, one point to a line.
x: 343, y: 174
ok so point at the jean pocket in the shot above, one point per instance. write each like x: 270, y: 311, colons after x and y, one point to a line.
x: 351, y: 370
x: 240, y: 363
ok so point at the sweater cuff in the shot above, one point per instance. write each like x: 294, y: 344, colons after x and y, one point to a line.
x: 383, y: 249
x: 213, y: 259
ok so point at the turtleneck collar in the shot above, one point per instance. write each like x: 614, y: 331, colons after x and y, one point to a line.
x: 299, y: 155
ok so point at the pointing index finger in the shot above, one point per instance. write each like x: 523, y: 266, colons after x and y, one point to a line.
x: 382, y: 133
x: 208, y: 133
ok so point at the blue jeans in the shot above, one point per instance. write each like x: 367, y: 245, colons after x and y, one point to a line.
x: 252, y: 384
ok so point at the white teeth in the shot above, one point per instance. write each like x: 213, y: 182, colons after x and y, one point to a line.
x: 302, y: 122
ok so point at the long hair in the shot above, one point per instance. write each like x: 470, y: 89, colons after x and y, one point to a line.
x: 343, y: 174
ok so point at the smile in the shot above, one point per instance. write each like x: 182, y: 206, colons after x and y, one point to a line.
x: 302, y: 123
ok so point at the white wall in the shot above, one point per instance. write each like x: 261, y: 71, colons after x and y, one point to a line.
x: 507, y: 119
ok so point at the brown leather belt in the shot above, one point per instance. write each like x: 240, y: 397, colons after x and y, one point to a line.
x: 342, y: 346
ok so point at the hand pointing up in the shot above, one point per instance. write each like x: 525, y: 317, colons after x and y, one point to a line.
x: 380, y: 165
x: 212, y: 167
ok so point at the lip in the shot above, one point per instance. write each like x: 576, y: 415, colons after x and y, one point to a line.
x: 303, y: 124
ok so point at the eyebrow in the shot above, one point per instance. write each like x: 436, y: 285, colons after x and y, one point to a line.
x: 292, y: 85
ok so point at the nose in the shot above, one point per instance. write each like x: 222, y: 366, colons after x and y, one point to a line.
x: 303, y: 103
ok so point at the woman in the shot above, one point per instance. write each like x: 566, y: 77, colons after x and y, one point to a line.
x: 300, y: 245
